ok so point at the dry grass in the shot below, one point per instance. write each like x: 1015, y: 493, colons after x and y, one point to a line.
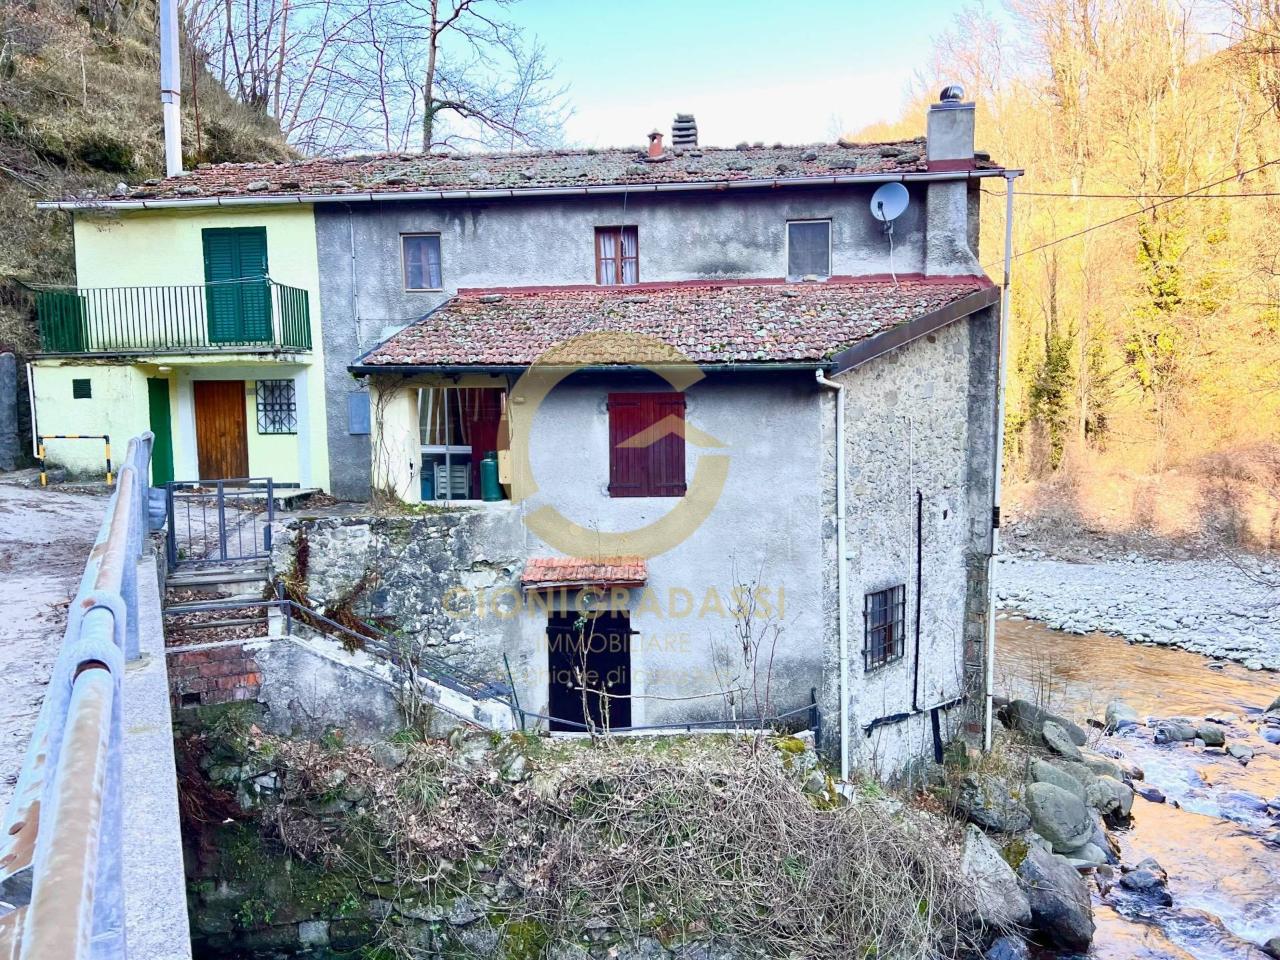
x: 677, y: 839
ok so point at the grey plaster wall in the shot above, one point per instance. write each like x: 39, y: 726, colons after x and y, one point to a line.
x: 764, y: 531
x: 917, y: 419
x: 738, y: 234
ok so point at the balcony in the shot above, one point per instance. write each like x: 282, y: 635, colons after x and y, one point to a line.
x: 259, y: 316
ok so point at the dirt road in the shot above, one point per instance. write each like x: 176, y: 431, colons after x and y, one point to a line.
x: 45, y: 537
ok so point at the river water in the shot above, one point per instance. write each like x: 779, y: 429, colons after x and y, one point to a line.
x: 1214, y: 836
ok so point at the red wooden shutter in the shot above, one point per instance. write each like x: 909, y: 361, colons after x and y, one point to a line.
x: 655, y: 468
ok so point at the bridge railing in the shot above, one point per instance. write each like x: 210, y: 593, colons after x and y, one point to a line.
x: 61, y: 889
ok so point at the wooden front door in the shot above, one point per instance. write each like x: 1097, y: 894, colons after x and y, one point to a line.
x: 222, y: 439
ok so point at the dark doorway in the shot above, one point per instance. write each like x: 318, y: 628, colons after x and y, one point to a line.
x: 222, y: 439
x: 595, y: 648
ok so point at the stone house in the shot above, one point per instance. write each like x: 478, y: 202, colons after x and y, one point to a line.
x: 702, y: 407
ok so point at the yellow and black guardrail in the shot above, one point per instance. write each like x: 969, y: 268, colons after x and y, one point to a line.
x: 41, y: 438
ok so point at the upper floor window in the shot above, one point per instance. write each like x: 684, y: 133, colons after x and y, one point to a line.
x: 617, y: 255
x: 808, y: 249
x: 421, y: 255
x: 646, y: 445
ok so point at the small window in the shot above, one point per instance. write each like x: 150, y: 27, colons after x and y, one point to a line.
x: 885, y: 613
x: 277, y: 408
x: 421, y: 255
x: 358, y: 413
x: 646, y: 445
x: 81, y: 389
x: 617, y: 255
x: 808, y: 249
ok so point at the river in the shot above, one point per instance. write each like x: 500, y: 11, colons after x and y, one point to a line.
x: 1214, y: 836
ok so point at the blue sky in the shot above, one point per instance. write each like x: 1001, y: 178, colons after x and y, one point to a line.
x: 747, y: 69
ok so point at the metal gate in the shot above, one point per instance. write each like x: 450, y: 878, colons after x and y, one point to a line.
x: 219, y: 521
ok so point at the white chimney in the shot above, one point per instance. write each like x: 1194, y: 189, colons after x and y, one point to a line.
x: 948, y: 249
x: 171, y: 87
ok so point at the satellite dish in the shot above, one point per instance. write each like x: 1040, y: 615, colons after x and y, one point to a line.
x: 889, y: 201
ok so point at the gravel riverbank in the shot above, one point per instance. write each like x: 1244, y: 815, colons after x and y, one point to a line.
x: 1213, y: 607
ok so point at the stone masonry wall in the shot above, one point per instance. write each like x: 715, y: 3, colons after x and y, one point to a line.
x: 919, y: 420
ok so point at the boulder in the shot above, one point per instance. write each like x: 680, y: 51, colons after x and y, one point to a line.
x: 987, y: 802
x: 1152, y: 794
x: 1000, y: 903
x: 1101, y: 766
x: 1090, y: 855
x: 1059, y: 900
x: 1027, y: 718
x: 1272, y: 947
x: 1174, y: 731
x: 1042, y: 771
x: 1275, y: 706
x: 1120, y: 715
x: 1059, y: 816
x: 1211, y: 734
x: 1149, y: 880
x: 1241, y: 751
x: 1059, y: 741
x: 1110, y: 797
x: 1010, y: 948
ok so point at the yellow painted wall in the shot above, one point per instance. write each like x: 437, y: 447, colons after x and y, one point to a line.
x: 118, y: 407
x: 164, y: 247
x: 272, y: 455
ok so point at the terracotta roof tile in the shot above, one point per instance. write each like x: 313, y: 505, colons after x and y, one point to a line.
x: 578, y: 571
x: 390, y: 173
x: 732, y: 322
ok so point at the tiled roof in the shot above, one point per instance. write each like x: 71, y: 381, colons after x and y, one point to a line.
x: 577, y: 571
x: 728, y: 322
x: 404, y: 173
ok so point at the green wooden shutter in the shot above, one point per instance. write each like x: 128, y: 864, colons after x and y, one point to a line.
x: 62, y: 320
x: 237, y: 312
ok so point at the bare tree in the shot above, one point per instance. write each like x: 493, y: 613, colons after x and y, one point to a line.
x: 340, y: 75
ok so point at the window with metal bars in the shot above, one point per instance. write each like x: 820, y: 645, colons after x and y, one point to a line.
x: 277, y: 407
x: 885, y: 615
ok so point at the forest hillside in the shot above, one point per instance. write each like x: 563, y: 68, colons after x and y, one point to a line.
x: 1145, y: 349
x: 80, y: 111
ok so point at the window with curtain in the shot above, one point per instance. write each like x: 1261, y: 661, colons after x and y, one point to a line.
x: 808, y: 249
x: 421, y: 255
x: 617, y: 255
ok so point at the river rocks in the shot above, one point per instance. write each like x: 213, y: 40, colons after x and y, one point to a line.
x: 1059, y: 899
x: 1000, y: 902
x: 1150, y: 880
x: 1110, y: 797
x: 1271, y: 734
x: 1151, y: 794
x: 1042, y: 771
x: 1174, y: 731
x: 1027, y: 718
x: 1009, y: 948
x: 1120, y: 715
x: 1272, y: 948
x: 1241, y: 751
x: 987, y: 802
x: 1211, y: 734
x: 1059, y: 816
x: 1274, y: 707
x: 1059, y: 740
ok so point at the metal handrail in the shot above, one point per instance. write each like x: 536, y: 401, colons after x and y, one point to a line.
x: 61, y: 852
x: 242, y: 315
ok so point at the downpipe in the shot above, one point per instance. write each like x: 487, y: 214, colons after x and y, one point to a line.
x: 842, y: 574
x: 1002, y: 350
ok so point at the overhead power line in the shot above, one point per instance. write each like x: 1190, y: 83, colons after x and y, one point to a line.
x: 1141, y: 210
x: 1136, y: 196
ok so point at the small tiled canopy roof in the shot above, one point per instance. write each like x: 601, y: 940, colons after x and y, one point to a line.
x: 543, y: 572
x: 732, y: 322
x: 390, y: 173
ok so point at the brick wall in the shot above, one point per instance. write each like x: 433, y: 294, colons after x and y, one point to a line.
x: 219, y: 673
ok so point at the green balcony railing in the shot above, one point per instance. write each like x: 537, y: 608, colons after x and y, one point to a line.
x: 245, y: 315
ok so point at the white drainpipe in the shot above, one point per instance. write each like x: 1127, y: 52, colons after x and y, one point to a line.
x: 989, y: 677
x: 842, y: 574
x: 171, y: 87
